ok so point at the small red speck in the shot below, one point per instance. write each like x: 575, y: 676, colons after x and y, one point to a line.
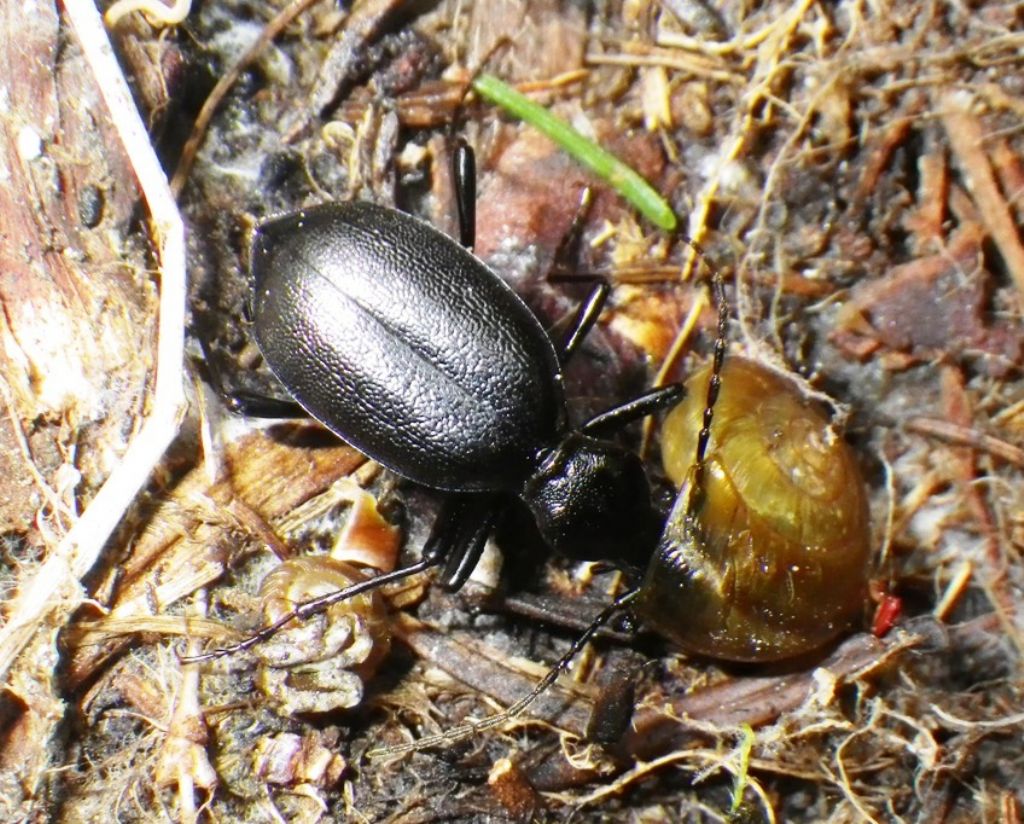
x: 886, y: 615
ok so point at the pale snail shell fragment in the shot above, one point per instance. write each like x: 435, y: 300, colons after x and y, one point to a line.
x: 322, y: 664
x: 774, y: 562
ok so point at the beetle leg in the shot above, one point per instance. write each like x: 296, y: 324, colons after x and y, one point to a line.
x: 254, y: 405
x: 464, y: 174
x: 569, y: 247
x: 459, y: 536
x: 586, y: 316
x: 245, y: 401
x: 639, y: 407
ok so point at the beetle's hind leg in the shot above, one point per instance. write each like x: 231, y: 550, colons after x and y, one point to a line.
x: 237, y: 395
x: 582, y: 322
x: 569, y: 248
x: 255, y: 405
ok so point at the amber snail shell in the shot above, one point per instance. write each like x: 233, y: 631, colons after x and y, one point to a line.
x: 773, y: 562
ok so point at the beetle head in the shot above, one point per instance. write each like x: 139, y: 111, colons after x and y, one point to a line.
x: 592, y: 501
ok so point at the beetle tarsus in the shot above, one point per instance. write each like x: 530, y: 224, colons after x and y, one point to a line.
x: 570, y: 245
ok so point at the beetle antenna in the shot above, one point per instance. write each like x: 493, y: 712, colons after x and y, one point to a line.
x: 718, y: 358
x: 460, y: 733
x: 315, y: 606
x: 697, y: 492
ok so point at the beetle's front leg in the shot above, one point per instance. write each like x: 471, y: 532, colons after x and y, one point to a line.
x: 459, y: 536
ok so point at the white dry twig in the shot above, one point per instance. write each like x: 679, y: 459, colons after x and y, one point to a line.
x: 57, y: 580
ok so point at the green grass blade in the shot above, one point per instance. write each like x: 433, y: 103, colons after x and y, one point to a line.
x: 604, y: 164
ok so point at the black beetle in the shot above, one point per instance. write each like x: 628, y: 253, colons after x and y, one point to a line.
x: 408, y: 347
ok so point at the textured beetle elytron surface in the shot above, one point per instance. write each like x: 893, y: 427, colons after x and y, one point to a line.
x: 405, y: 345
